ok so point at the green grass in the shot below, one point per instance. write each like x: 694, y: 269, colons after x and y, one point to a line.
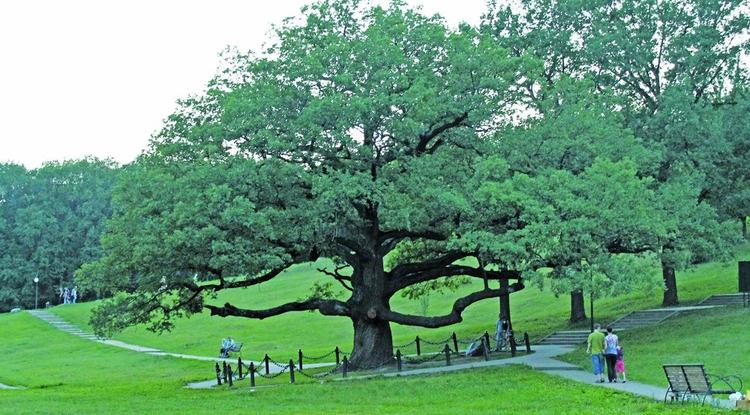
x: 535, y: 311
x: 718, y: 338
x: 65, y: 374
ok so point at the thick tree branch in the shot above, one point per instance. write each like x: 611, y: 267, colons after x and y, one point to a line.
x: 425, y: 138
x: 325, y: 307
x: 452, y: 271
x: 403, y: 270
x: 451, y: 318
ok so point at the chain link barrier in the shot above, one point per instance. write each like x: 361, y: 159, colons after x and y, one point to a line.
x: 413, y: 361
x: 259, y: 369
x: 316, y: 358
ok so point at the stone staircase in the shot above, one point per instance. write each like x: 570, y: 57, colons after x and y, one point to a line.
x: 566, y: 337
x: 61, y: 324
x: 723, y: 300
x: 642, y: 318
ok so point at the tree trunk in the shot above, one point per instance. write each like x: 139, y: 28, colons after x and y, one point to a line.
x: 670, y: 285
x: 577, y: 308
x: 373, y: 342
x: 505, y: 304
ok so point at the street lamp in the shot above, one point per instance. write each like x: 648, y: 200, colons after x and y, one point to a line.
x: 36, y: 294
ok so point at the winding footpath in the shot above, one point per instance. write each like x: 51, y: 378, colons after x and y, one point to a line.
x: 60, y: 324
x: 543, y: 360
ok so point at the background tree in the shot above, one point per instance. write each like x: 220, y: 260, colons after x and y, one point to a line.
x: 52, y: 219
x: 671, y: 63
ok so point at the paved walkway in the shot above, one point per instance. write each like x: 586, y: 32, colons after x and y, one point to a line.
x: 67, y: 327
x: 8, y: 387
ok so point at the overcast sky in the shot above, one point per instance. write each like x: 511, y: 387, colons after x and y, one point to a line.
x: 98, y: 77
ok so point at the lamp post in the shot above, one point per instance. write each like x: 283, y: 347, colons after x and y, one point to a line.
x: 591, y: 303
x: 36, y: 293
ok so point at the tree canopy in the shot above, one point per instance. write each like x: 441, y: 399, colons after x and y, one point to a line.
x: 51, y: 220
x: 383, y: 139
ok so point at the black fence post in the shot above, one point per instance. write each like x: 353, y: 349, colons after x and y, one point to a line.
x: 419, y: 348
x: 338, y: 356
x: 345, y: 367
x: 218, y: 374
x: 398, y: 359
x: 513, y: 344
x: 225, y: 371
x: 229, y: 374
x: 527, y: 341
x: 239, y: 367
x: 291, y: 371
x: 266, y: 359
x: 447, y: 351
x: 300, y: 359
x: 485, y: 349
x: 455, y: 342
x: 252, y: 374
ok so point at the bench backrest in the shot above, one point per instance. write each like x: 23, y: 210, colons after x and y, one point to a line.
x: 687, y: 378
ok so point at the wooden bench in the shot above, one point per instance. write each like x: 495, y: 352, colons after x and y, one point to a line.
x: 690, y: 381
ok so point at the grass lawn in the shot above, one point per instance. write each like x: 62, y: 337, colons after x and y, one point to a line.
x: 718, y: 338
x: 65, y: 374
x: 535, y: 311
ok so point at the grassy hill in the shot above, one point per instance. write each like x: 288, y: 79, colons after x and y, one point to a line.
x: 65, y: 374
x: 535, y: 311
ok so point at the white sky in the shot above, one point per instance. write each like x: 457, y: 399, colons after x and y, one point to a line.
x: 97, y: 78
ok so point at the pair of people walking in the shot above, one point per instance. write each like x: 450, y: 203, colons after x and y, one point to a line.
x: 68, y: 296
x: 606, y: 348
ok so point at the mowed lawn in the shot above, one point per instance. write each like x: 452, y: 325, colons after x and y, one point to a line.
x: 718, y: 338
x: 64, y: 374
x: 535, y: 311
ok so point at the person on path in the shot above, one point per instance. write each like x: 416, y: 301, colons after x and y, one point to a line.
x: 66, y: 296
x: 620, y: 365
x: 611, y: 342
x: 501, y: 333
x: 62, y: 293
x: 73, y: 295
x: 595, y: 346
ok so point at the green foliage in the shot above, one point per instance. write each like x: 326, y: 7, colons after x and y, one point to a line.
x: 51, y: 219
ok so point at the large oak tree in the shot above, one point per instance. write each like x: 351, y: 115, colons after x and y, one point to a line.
x: 360, y: 131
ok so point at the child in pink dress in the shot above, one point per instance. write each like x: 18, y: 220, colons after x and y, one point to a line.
x: 620, y: 365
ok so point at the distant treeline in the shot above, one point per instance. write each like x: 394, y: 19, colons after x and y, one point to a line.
x: 51, y: 220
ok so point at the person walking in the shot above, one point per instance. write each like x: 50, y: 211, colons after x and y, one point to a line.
x: 611, y: 342
x: 73, y: 295
x: 595, y: 346
x: 620, y: 365
x: 66, y: 296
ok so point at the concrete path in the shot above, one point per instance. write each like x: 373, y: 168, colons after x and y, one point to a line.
x: 60, y: 324
x: 8, y: 387
x: 543, y: 360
